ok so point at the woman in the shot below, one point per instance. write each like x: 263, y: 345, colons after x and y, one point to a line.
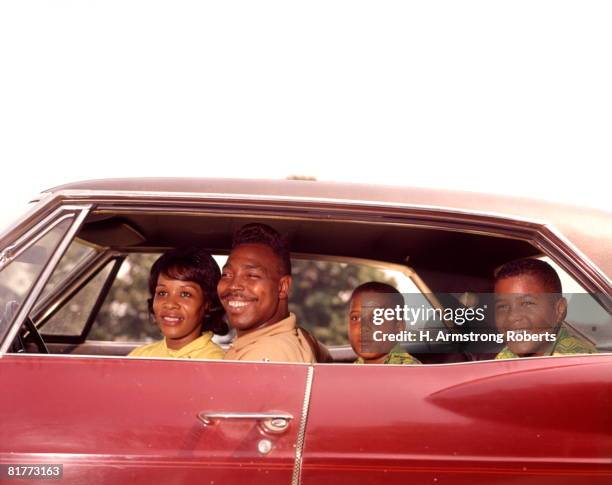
x: 185, y: 305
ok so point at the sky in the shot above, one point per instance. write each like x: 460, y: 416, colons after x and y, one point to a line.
x: 487, y: 96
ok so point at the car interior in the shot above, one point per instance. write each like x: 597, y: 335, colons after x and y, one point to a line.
x: 95, y: 300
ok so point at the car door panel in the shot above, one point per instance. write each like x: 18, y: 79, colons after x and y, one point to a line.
x: 101, y: 415
x: 542, y: 420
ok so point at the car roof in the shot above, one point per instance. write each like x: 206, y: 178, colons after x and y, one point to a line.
x: 590, y: 230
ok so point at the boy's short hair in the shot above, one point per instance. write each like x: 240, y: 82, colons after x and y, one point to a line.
x: 379, y: 287
x: 533, y: 267
x: 256, y: 233
x: 197, y: 265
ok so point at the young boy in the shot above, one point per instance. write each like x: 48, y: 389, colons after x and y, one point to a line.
x: 361, y: 328
x: 530, y: 309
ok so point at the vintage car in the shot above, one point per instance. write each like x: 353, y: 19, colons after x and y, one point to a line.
x: 73, y: 303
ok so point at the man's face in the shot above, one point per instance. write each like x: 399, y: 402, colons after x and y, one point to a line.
x: 251, y: 288
x: 361, y: 326
x: 523, y: 303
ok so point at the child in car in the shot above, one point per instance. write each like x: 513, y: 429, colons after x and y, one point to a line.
x: 530, y: 311
x: 364, y: 300
x: 185, y: 305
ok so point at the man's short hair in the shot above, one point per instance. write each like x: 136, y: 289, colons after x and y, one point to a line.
x: 533, y: 267
x: 256, y: 233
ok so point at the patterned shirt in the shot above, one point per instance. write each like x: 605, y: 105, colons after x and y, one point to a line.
x: 395, y: 357
x: 565, y: 344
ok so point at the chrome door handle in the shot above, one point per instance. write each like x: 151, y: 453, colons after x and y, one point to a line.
x: 270, y: 422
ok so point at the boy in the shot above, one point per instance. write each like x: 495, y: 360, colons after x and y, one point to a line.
x: 530, y: 309
x: 361, y: 328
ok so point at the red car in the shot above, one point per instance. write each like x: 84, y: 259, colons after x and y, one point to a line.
x: 73, y: 304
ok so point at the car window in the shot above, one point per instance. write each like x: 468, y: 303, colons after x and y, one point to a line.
x: 124, y: 315
x: 18, y: 277
x: 71, y: 318
x: 319, y: 297
x: 321, y: 291
x: 76, y: 254
x: 585, y: 315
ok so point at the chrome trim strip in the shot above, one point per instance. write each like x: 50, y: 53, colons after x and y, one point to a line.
x: 44, y: 276
x: 271, y: 422
x: 208, y: 416
x: 212, y: 197
x: 13, y: 251
x: 246, y: 362
x: 299, y: 447
x: 556, y: 240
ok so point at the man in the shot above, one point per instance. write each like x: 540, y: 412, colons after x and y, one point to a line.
x: 530, y: 309
x: 254, y: 290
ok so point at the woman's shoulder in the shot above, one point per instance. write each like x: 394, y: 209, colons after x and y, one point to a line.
x: 147, y: 350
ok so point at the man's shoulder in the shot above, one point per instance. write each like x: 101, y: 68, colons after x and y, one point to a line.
x: 283, y: 347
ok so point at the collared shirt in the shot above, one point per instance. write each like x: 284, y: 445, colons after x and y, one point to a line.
x: 565, y: 344
x: 279, y: 342
x: 201, y: 348
x: 395, y: 357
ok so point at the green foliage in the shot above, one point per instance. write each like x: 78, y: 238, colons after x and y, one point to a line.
x: 320, y: 294
x: 319, y: 297
x: 124, y: 316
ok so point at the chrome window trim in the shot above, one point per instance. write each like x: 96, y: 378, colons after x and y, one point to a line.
x: 80, y: 212
x: 296, y: 477
x: 246, y: 362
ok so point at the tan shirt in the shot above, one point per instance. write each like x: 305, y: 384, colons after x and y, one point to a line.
x: 201, y: 348
x: 279, y: 342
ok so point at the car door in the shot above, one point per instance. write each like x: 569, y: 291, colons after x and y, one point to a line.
x: 118, y: 420
x: 538, y: 420
x: 133, y: 420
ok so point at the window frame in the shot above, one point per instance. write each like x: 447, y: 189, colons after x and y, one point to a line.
x: 81, y: 280
x: 28, y: 239
x: 541, y: 236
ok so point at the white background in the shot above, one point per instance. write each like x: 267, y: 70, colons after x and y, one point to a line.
x: 510, y: 97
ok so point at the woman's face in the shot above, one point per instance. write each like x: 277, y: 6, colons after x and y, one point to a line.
x: 179, y: 308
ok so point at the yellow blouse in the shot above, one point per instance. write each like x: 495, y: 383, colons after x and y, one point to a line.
x: 201, y: 348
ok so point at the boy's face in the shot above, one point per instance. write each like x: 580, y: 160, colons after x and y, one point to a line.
x: 252, y: 289
x: 523, y: 303
x: 179, y: 308
x: 361, y: 326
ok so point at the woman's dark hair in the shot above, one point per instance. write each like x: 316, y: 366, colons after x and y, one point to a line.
x: 197, y: 265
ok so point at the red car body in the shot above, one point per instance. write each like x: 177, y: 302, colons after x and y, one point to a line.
x: 113, y: 419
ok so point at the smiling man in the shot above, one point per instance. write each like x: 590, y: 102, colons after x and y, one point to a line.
x: 254, y: 290
x: 530, y: 309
